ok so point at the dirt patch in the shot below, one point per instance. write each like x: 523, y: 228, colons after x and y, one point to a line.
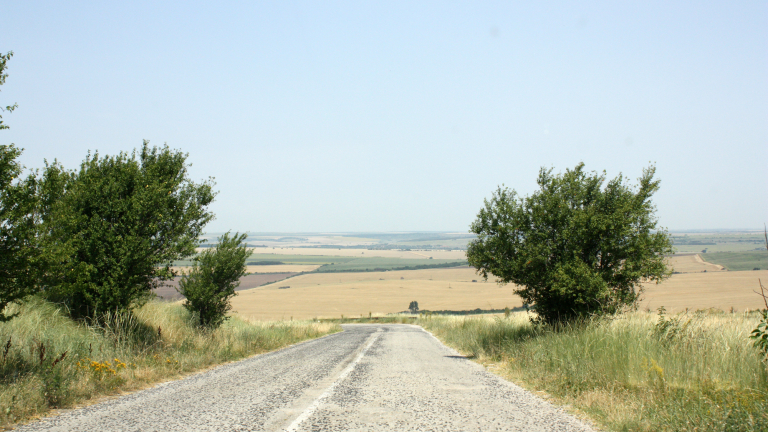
x: 168, y: 291
x: 691, y: 263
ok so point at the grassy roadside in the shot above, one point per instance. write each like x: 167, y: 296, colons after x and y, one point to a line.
x: 156, y: 344
x: 637, y: 372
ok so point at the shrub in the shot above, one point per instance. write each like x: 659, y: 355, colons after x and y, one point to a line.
x: 116, y: 225
x: 211, y: 282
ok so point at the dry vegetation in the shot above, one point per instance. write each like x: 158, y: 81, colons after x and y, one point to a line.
x: 49, y: 361
x: 638, y: 372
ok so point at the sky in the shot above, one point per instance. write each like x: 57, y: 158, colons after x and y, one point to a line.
x: 402, y: 115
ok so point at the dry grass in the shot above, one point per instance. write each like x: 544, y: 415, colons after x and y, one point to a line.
x: 697, y: 371
x: 157, y: 343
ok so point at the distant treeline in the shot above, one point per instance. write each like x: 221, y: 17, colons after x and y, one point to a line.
x: 477, y: 311
x: 383, y: 247
x: 330, y: 269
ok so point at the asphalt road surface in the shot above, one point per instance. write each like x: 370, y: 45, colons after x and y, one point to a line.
x: 367, y: 378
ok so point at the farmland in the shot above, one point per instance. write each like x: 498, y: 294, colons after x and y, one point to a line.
x: 707, y: 242
x: 739, y: 261
x: 300, y: 260
x: 354, y: 294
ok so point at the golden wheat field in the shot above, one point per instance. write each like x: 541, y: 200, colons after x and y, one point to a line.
x: 354, y: 294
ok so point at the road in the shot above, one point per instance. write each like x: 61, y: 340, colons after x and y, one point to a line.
x: 366, y: 378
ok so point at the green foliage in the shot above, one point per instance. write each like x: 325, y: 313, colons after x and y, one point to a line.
x: 18, y: 246
x: 760, y: 334
x: 211, y: 282
x: 3, y: 65
x: 578, y: 246
x: 113, y: 228
x: 414, y: 307
x: 17, y: 224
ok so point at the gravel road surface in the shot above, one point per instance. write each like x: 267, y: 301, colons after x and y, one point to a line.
x: 367, y: 378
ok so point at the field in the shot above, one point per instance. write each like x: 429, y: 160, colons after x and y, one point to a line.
x: 168, y: 291
x: 739, y: 261
x: 302, y: 260
x: 354, y: 294
x: 324, y: 254
x: 718, y: 241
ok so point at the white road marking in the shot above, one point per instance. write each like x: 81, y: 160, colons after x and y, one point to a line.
x: 329, y: 391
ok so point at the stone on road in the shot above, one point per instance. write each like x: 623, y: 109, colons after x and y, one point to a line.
x: 368, y: 377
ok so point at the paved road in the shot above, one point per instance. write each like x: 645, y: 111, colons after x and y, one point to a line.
x: 367, y: 378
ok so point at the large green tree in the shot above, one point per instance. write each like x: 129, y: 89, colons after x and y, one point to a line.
x: 114, y: 227
x: 577, y: 246
x: 211, y: 282
x: 19, y: 252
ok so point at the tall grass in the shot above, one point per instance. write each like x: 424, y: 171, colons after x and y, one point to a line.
x: 49, y: 361
x: 639, y: 371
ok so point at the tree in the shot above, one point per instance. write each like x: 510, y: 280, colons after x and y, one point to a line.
x: 116, y: 225
x: 18, y: 248
x: 577, y: 246
x: 211, y: 282
x: 17, y: 221
x: 3, y: 64
x: 413, y: 307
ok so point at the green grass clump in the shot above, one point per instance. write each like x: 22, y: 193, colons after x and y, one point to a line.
x: 639, y: 371
x: 49, y: 361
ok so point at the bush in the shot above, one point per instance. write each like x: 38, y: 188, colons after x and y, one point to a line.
x: 574, y: 248
x: 211, y: 282
x: 116, y: 225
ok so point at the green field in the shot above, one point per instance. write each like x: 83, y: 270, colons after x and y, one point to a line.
x: 739, y: 261
x: 334, y: 264
x: 718, y: 242
x: 300, y: 259
x: 380, y: 264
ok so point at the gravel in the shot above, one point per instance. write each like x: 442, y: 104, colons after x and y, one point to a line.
x: 369, y: 377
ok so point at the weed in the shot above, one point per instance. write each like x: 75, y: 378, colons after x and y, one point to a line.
x: 637, y: 371
x: 50, y: 361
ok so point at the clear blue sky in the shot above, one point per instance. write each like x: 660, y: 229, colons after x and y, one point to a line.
x: 399, y: 116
